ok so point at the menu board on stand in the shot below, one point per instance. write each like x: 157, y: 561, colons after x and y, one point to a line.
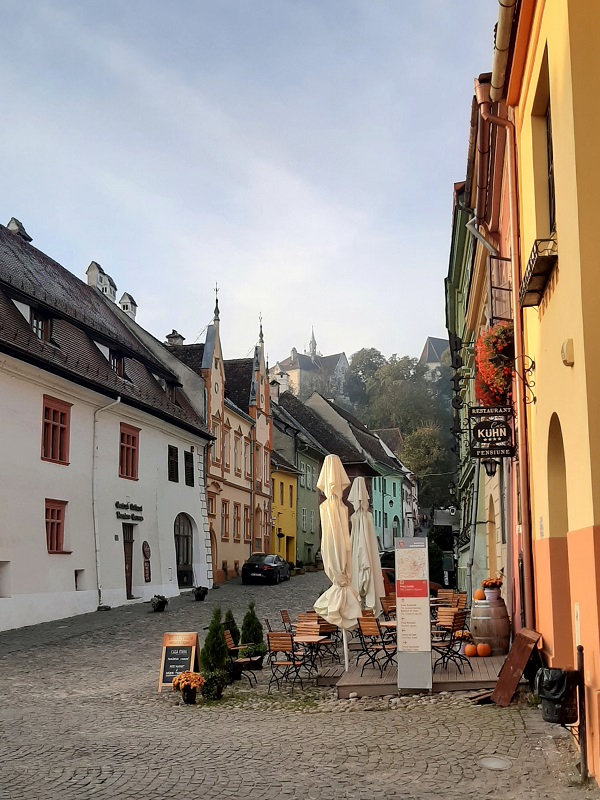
x: 412, y: 614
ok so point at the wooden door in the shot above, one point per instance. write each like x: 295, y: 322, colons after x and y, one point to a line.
x: 128, y: 551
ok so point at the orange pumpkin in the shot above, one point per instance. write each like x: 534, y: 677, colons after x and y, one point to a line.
x: 484, y: 650
x: 478, y: 594
x: 470, y: 650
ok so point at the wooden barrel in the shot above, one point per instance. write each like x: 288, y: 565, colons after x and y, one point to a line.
x: 490, y: 625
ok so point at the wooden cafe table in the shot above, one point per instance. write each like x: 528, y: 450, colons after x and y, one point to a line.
x: 311, y: 642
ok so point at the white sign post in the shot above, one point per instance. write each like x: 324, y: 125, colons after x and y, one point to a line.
x: 413, y: 615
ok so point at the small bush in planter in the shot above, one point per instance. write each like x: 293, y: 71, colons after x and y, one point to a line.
x: 254, y: 651
x: 252, y: 630
x: 214, y: 658
x: 159, y: 602
x: 229, y: 624
x: 200, y: 592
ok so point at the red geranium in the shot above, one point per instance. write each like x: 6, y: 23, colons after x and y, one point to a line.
x: 493, y: 375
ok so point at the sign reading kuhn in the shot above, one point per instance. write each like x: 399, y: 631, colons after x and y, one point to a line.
x: 491, y: 431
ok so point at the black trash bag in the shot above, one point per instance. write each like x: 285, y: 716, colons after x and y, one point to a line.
x: 557, y: 689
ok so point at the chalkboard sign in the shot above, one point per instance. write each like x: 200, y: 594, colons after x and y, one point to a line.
x: 179, y: 653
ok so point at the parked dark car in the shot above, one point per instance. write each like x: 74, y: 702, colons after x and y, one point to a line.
x: 263, y: 567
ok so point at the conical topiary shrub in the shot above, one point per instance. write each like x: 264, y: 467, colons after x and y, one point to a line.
x: 252, y: 630
x: 229, y: 624
x: 213, y: 659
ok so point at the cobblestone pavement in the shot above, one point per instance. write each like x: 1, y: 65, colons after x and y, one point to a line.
x: 81, y: 718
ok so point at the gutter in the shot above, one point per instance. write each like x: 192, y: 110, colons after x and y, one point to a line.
x: 482, y: 92
x: 95, y: 501
x: 506, y: 12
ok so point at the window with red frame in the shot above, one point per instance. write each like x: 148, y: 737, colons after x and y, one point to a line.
x: 56, y: 423
x: 55, y: 525
x: 129, y: 452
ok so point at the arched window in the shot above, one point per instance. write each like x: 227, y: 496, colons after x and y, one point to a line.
x: 183, y: 550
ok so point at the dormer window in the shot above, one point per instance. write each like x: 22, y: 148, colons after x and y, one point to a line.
x: 117, y: 362
x: 171, y: 391
x: 41, y: 324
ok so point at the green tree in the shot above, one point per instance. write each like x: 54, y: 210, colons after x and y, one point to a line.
x: 229, y: 624
x: 425, y: 452
x: 252, y: 630
x: 214, y: 658
x: 364, y: 364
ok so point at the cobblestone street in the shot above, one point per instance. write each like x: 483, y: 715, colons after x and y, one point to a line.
x: 81, y: 718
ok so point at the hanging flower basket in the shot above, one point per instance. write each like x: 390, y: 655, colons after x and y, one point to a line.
x: 494, y: 374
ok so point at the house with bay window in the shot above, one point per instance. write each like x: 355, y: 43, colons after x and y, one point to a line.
x: 103, y: 447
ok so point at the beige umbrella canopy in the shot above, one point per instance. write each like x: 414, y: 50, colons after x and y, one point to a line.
x: 366, y: 567
x: 339, y: 604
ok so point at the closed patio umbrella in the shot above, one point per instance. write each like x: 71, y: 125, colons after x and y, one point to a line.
x: 366, y: 567
x: 339, y: 604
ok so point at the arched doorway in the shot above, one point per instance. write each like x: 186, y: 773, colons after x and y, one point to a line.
x: 213, y: 552
x: 184, y: 536
x: 395, y: 527
x: 554, y: 605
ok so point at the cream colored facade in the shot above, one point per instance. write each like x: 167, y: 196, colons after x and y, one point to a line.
x: 238, y: 468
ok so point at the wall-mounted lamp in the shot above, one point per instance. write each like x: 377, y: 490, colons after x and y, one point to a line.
x: 490, y: 465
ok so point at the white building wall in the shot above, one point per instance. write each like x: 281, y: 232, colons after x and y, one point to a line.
x: 36, y: 586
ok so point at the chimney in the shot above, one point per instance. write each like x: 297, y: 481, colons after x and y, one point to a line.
x: 100, y: 280
x: 16, y: 227
x: 174, y: 338
x: 274, y: 391
x: 294, y: 354
x: 128, y: 305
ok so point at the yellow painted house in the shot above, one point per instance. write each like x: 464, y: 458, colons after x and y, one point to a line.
x: 546, y: 57
x: 284, y: 483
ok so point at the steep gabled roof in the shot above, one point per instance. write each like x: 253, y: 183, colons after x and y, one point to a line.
x: 281, y: 415
x: 190, y: 354
x: 238, y: 381
x: 392, y: 437
x: 31, y: 274
x: 279, y: 463
x: 433, y: 350
x: 327, y: 437
x: 368, y: 440
x: 80, y: 316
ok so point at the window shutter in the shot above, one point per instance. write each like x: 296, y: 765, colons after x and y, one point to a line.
x: 188, y: 464
x: 173, y: 464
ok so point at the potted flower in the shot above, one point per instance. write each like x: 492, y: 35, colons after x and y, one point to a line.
x: 491, y: 587
x: 188, y: 684
x: 159, y: 602
x: 200, y: 592
x: 494, y: 353
x: 253, y: 638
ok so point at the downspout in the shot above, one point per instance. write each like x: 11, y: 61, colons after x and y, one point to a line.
x: 474, y: 508
x: 483, y: 99
x: 95, y: 499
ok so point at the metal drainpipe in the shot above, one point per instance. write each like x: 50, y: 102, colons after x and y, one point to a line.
x: 482, y: 93
x: 474, y: 508
x: 95, y: 499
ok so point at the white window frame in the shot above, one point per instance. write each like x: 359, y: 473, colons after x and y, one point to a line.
x: 302, y: 469
x: 303, y: 519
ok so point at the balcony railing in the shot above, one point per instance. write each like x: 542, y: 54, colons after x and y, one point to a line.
x: 542, y: 260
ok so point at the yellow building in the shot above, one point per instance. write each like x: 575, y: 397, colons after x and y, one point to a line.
x: 553, y: 126
x: 284, y: 482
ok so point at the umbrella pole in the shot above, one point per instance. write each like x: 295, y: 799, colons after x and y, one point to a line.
x: 345, y: 641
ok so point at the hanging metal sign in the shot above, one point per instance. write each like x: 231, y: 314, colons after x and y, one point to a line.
x: 490, y: 429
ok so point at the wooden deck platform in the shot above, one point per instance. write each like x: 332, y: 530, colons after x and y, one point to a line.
x: 371, y: 684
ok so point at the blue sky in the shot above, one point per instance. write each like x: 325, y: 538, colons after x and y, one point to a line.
x: 301, y: 153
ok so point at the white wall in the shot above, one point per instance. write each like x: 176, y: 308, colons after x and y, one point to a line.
x: 36, y: 586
